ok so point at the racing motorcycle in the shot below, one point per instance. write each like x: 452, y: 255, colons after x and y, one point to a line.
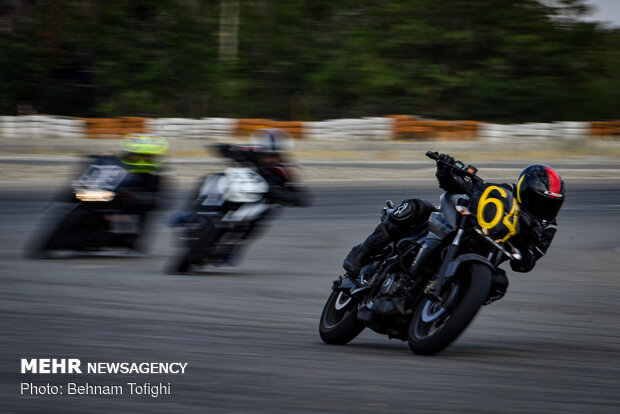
x: 431, y: 305
x: 99, y: 212
x: 230, y: 208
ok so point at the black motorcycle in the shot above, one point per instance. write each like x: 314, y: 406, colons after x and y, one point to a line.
x: 102, y: 210
x: 229, y: 209
x: 432, y: 305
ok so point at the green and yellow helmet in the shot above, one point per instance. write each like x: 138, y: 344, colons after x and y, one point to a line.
x: 143, y: 153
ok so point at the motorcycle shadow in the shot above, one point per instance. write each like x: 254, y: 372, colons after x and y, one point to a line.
x: 506, y: 350
x: 79, y: 255
x: 214, y: 272
x: 464, y: 350
x: 387, y: 348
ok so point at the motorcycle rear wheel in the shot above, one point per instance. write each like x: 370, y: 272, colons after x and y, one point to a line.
x: 339, y: 324
x: 436, y: 324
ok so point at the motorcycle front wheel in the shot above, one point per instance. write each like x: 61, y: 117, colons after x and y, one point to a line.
x: 339, y: 323
x: 180, y: 264
x: 437, y: 323
x: 195, y: 250
x: 61, y: 229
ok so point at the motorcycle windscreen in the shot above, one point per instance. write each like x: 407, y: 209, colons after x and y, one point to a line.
x: 103, y: 177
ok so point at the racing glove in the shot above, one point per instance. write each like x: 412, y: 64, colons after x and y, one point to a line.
x: 448, y: 181
x: 444, y: 170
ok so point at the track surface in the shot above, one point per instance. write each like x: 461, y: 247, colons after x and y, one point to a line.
x: 250, y: 333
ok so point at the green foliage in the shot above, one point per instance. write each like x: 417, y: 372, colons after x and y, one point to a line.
x: 495, y: 60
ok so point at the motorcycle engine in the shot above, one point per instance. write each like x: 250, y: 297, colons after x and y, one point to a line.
x: 391, y: 297
x: 387, y: 312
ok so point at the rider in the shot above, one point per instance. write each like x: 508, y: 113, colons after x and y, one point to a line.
x: 266, y: 155
x: 142, y: 157
x: 539, y: 192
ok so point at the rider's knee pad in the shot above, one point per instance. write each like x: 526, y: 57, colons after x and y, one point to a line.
x: 404, y: 213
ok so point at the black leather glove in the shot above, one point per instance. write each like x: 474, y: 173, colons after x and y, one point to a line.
x: 446, y: 158
x: 444, y: 170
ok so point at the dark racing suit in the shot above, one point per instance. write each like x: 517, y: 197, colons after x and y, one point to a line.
x: 408, y: 214
x: 533, y: 239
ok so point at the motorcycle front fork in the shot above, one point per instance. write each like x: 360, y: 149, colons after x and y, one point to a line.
x: 436, y: 286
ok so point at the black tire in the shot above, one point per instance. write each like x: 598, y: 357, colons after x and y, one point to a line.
x: 194, y: 253
x: 37, y: 249
x: 339, y: 323
x: 180, y: 264
x: 435, y: 325
x: 49, y: 235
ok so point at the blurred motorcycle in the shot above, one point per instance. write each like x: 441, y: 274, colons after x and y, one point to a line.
x: 108, y: 204
x: 231, y: 207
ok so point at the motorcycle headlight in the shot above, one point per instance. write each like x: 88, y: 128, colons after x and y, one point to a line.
x: 95, y: 195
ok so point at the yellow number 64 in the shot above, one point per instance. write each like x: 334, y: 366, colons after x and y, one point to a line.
x: 510, y: 220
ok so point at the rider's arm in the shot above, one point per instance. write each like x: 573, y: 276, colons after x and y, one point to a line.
x: 225, y: 150
x: 546, y: 238
x: 535, y: 249
x: 290, y: 195
x: 235, y: 153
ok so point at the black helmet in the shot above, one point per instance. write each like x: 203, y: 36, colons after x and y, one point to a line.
x: 540, y: 191
x: 273, y: 141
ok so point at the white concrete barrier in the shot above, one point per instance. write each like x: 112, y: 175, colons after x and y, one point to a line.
x: 204, y: 128
x: 573, y: 131
x: 41, y: 126
x: 369, y: 128
x: 533, y: 132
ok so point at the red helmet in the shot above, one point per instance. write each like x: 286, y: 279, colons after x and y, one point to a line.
x: 540, y: 191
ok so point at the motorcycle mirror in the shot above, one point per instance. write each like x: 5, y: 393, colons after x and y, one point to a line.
x: 389, y: 204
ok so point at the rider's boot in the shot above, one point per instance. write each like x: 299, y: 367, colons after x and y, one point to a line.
x: 498, y: 286
x: 359, y: 255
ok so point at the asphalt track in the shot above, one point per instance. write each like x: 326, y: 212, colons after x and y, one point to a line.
x: 250, y: 333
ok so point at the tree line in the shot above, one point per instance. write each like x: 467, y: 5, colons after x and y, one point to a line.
x: 490, y: 60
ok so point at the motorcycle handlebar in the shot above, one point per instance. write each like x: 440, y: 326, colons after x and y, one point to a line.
x: 458, y: 166
x: 432, y: 155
